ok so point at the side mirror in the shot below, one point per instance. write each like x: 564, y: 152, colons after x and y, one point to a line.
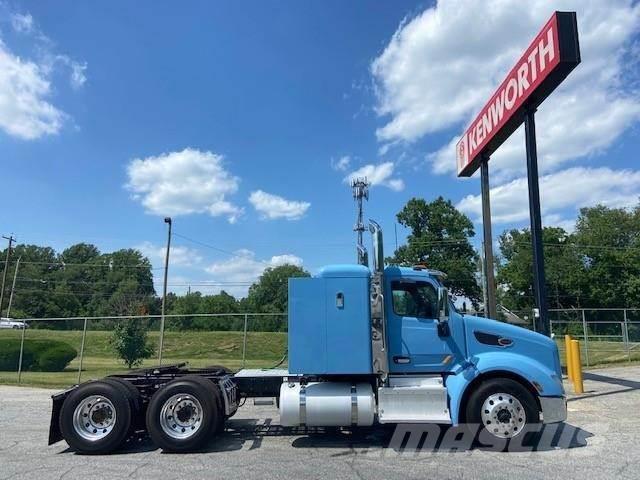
x: 443, y: 304
x: 443, y: 312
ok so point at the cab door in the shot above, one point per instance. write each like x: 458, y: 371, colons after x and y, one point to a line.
x: 412, y: 328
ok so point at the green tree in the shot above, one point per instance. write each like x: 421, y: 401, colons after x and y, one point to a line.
x: 609, y: 242
x: 270, y: 294
x: 80, y: 281
x: 440, y: 238
x: 129, y: 340
x: 220, y: 303
x: 564, y: 270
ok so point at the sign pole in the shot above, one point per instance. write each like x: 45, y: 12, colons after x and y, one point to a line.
x: 541, y: 320
x: 490, y: 306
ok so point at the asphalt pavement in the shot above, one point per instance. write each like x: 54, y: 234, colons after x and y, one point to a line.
x: 599, y: 440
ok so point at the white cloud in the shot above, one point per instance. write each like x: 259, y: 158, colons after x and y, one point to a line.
x: 286, y: 259
x: 441, y: 66
x: 26, y: 108
x: 561, y: 194
x: 272, y: 207
x: 178, y: 256
x: 78, y: 75
x: 22, y: 23
x: 557, y: 220
x: 25, y: 111
x: 380, y: 174
x: 243, y: 269
x: 342, y: 164
x: 182, y: 183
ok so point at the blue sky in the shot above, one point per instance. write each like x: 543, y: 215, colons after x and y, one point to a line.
x: 243, y: 119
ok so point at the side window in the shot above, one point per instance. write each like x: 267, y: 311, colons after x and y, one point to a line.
x: 417, y: 299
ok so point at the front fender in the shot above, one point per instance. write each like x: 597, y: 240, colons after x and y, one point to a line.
x: 526, y: 367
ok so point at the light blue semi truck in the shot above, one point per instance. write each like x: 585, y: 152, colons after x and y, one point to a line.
x: 365, y: 346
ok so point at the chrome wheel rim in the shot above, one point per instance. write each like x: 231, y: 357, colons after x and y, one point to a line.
x: 181, y: 416
x: 94, y: 418
x: 503, y: 415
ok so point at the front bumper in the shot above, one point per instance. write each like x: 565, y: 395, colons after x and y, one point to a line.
x: 554, y: 409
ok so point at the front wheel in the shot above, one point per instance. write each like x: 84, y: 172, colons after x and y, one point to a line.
x: 502, y: 409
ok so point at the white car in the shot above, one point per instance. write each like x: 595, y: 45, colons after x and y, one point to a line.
x: 8, y: 323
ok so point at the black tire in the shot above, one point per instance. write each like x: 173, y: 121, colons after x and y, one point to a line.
x: 133, y: 394
x: 206, y: 393
x: 116, y: 394
x: 498, y: 436
x: 135, y: 400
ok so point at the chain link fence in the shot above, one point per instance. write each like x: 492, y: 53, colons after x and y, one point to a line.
x: 235, y: 340
x: 259, y: 340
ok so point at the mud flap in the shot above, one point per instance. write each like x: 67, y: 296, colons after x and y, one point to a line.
x: 54, y: 427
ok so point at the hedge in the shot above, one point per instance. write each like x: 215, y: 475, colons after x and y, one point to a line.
x: 38, y: 355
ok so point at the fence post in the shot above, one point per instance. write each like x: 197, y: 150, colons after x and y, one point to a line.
x: 533, y: 319
x: 586, y: 338
x: 24, y: 328
x: 84, y: 336
x: 625, y: 334
x: 244, y: 340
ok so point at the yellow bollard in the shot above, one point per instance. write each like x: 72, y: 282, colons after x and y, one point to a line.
x: 567, y: 356
x: 577, y: 367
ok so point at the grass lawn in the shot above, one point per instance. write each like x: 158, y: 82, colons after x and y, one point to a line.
x: 602, y: 352
x: 199, y: 349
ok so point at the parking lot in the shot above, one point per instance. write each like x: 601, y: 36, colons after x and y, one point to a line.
x: 603, y: 444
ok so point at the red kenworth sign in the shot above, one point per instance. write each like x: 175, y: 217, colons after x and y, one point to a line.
x: 545, y: 64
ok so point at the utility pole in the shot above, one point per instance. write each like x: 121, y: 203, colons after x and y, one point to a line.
x: 360, y: 187
x: 395, y: 229
x: 6, y: 267
x: 164, y: 290
x: 13, y: 287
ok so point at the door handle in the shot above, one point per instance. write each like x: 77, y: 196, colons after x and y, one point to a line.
x: 401, y: 360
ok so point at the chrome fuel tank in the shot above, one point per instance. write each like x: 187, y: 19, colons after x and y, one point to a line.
x: 326, y: 404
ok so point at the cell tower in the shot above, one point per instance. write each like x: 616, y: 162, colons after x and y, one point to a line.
x: 360, y: 187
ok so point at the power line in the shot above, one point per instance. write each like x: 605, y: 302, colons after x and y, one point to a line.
x: 206, y: 245
x: 147, y: 284
x: 93, y: 265
x: 6, y: 267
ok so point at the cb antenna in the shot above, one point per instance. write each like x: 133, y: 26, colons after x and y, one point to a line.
x: 360, y: 187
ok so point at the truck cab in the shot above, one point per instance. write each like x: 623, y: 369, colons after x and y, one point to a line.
x: 387, y: 345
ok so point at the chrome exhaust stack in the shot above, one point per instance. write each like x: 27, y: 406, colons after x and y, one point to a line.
x: 380, y: 362
x: 378, y: 253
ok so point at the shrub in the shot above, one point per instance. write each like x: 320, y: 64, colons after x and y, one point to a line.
x: 129, y: 340
x: 55, y: 358
x: 38, y: 355
x: 10, y: 355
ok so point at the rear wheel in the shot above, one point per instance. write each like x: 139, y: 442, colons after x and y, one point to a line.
x: 182, y: 415
x: 95, y: 418
x: 503, y: 409
x: 135, y: 400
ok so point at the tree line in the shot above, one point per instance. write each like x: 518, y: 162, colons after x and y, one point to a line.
x: 596, y: 265
x: 81, y: 281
